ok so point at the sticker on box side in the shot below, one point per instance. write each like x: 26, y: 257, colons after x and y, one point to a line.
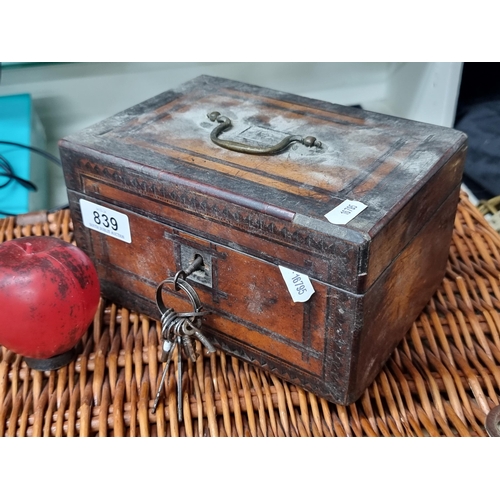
x: 105, y: 221
x: 345, y: 212
x: 299, y: 285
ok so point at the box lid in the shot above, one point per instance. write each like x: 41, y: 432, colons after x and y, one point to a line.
x: 401, y: 170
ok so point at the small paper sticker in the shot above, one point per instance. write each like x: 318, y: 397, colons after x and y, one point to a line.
x: 345, y: 212
x: 299, y: 285
x: 106, y: 221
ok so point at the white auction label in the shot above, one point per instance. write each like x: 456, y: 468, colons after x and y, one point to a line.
x: 106, y: 221
x: 345, y: 212
x: 299, y: 285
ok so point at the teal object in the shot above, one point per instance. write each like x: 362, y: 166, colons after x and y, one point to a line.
x: 19, y: 123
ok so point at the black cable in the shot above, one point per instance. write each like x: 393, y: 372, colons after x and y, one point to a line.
x: 36, y: 150
x: 9, y: 172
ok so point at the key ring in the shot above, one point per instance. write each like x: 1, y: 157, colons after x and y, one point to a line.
x: 178, y: 282
x: 170, y: 318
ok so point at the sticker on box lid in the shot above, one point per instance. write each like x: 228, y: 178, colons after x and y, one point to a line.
x: 299, y: 285
x: 345, y: 212
x: 105, y: 220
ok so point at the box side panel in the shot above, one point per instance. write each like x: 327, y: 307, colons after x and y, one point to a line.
x: 399, y: 295
x: 391, y: 235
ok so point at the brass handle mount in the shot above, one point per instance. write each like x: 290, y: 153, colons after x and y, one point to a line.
x: 225, y: 124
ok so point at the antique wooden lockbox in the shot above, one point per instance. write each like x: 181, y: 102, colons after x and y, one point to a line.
x: 365, y: 213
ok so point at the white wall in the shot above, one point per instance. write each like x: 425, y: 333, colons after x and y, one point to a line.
x: 69, y: 97
x: 425, y: 92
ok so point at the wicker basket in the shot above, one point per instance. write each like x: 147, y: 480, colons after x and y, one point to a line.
x: 443, y: 379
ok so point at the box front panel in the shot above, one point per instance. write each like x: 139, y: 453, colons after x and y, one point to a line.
x: 252, y: 312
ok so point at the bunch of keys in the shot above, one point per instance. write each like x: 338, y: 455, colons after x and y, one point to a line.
x: 179, y: 330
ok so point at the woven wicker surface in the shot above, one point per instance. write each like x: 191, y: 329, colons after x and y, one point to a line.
x: 442, y: 380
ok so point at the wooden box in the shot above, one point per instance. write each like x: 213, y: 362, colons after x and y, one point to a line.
x: 366, y: 216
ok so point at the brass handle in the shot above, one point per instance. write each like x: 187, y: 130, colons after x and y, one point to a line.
x: 225, y: 123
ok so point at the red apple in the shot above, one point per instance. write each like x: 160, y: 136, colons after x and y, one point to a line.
x: 49, y: 293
